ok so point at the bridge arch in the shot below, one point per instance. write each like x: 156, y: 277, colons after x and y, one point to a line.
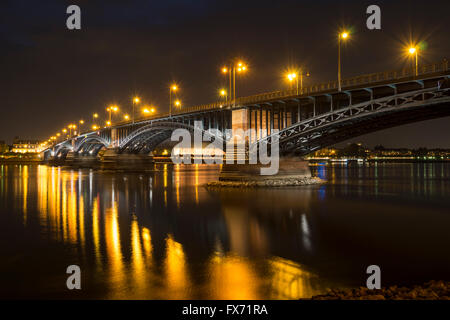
x: 339, y: 125
x: 147, y: 138
x: 91, y: 144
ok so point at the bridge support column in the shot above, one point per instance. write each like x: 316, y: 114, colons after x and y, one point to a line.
x: 291, y: 172
x: 113, y: 160
x: 81, y: 161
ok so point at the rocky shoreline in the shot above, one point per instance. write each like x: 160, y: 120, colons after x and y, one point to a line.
x: 432, y: 290
x: 266, y: 183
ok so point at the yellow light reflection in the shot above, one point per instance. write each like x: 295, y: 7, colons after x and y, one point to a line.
x: 232, y: 277
x: 113, y: 248
x: 176, y: 270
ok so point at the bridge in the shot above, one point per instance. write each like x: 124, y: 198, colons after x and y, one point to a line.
x: 315, y: 117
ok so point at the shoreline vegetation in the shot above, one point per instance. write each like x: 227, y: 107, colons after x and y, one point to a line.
x: 431, y: 290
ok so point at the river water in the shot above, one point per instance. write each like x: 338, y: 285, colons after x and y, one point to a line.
x: 162, y: 235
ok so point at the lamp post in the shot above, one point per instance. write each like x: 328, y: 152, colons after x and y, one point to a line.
x: 342, y: 36
x: 173, y: 88
x: 136, y: 100
x: 413, y: 51
x: 223, y: 94
x: 81, y: 125
x: 237, y: 67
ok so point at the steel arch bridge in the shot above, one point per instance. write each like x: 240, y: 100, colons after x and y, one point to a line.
x: 338, y: 125
x: 315, y: 117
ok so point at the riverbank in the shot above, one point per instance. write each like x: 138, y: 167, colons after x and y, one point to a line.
x: 432, y: 290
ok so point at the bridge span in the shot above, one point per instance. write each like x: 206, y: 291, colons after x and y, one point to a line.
x: 315, y: 117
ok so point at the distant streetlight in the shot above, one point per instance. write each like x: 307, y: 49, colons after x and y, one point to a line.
x: 342, y: 36
x: 223, y: 94
x: 81, y: 124
x: 94, y: 117
x: 413, y: 52
x: 173, y: 88
x: 126, y: 117
x: 94, y: 127
x: 111, y: 109
x: 178, y: 103
x: 136, y: 100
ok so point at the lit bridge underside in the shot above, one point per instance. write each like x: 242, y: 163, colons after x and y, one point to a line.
x: 315, y: 118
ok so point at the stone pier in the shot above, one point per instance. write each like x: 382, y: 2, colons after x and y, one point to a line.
x: 291, y: 172
x: 112, y: 160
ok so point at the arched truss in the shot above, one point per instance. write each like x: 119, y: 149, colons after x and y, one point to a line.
x: 147, y: 138
x: 62, y: 149
x: 326, y: 129
x: 90, y: 145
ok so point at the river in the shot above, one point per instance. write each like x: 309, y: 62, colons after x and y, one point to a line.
x: 162, y: 235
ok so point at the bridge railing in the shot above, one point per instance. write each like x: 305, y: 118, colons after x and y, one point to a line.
x: 313, y: 89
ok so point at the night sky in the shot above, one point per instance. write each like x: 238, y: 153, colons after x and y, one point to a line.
x: 51, y: 76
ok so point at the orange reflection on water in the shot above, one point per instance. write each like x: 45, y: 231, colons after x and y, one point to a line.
x: 113, y: 247
x: 25, y: 192
x: 177, y: 280
x: 139, y: 273
x: 290, y: 281
x: 232, y: 277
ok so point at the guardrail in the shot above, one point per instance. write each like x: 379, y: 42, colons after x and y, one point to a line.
x: 313, y: 89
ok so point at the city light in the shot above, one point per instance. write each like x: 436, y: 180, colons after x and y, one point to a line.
x: 412, y: 50
x: 126, y: 117
x: 178, y: 103
x: 136, y: 100
x: 94, y: 127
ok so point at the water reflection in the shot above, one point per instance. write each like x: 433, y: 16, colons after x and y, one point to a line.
x: 162, y: 235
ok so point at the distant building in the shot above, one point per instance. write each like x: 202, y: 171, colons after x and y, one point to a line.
x: 25, y: 146
x: 4, y: 148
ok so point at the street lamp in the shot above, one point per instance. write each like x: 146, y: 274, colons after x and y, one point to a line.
x: 126, y: 117
x: 177, y: 103
x: 239, y: 67
x: 295, y: 76
x: 413, y: 51
x: 111, y: 109
x: 173, y: 88
x: 136, y: 100
x: 342, y: 37
x: 94, y: 116
x: 81, y: 124
x: 223, y: 94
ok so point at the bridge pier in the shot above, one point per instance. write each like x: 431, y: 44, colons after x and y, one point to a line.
x: 81, y: 161
x: 291, y: 172
x: 111, y: 159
